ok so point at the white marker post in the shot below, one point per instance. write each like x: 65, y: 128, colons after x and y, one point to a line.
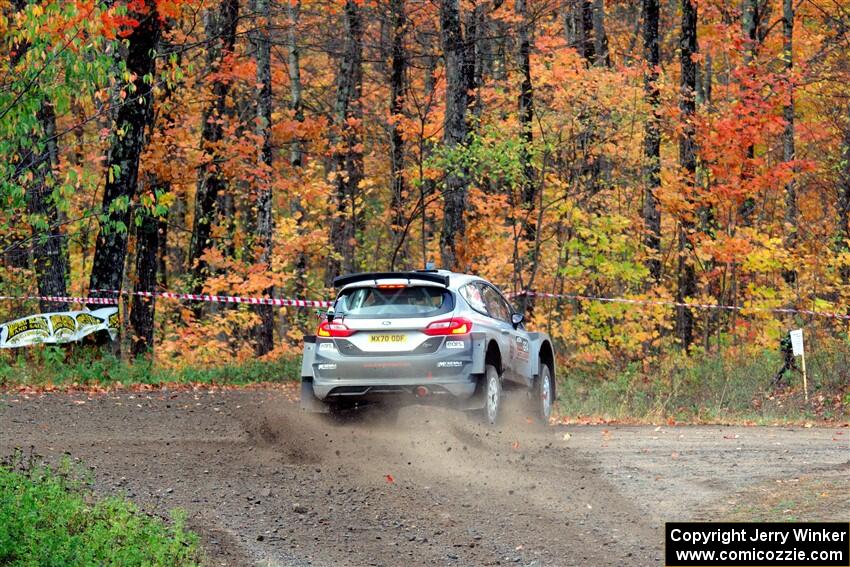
x: 797, y: 346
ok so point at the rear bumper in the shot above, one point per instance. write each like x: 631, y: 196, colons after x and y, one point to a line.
x: 349, y: 388
x: 450, y: 372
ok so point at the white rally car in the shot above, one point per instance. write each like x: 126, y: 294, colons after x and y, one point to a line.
x: 424, y: 336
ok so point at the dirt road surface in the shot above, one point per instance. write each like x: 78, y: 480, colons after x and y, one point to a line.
x: 265, y: 484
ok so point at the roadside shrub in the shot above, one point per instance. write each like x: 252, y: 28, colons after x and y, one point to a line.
x: 732, y: 385
x: 49, y: 518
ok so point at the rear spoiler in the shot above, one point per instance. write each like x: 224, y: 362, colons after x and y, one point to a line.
x: 428, y: 276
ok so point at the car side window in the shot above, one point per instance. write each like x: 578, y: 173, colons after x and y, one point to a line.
x: 496, y: 306
x: 507, y: 304
x: 472, y: 294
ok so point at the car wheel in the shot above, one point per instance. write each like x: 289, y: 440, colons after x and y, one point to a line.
x: 492, y: 394
x: 544, y: 394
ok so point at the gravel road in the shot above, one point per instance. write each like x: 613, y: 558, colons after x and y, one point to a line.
x: 265, y: 484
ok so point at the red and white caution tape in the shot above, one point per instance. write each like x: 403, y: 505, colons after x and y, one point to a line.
x: 61, y: 299
x: 703, y: 306
x: 222, y: 298
x: 284, y: 302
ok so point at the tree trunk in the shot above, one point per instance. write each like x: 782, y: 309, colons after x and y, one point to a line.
x: 454, y: 134
x: 573, y: 29
x: 49, y: 250
x: 296, y: 104
x: 705, y: 212
x: 264, y: 333
x: 751, y: 22
x: 123, y: 161
x: 177, y: 216
x: 348, y: 157
x: 151, y: 243
x: 162, y: 261
x: 588, y: 41
x: 600, y: 37
x: 525, y: 114
x: 686, y: 280
x: 221, y: 39
x: 591, y: 167
x: 652, y: 141
x: 788, y: 149
x: 474, y: 33
x: 842, y: 237
x: 397, y: 94
x: 751, y: 18
x: 296, y: 154
x: 705, y: 76
x: 142, y: 312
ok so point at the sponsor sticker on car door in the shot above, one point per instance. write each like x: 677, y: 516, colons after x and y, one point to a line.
x: 522, y: 348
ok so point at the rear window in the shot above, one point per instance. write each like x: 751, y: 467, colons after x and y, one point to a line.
x: 413, y: 301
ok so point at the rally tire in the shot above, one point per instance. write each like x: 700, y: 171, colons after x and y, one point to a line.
x: 543, y: 394
x: 493, y: 395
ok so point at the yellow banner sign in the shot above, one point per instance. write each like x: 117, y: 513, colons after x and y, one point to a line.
x: 61, y: 327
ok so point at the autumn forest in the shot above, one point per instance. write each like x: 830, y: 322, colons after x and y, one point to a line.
x: 680, y: 154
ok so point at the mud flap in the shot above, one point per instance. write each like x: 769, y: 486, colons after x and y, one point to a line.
x: 309, y: 402
x: 479, y: 352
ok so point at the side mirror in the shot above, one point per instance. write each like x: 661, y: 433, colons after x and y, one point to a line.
x: 517, y: 319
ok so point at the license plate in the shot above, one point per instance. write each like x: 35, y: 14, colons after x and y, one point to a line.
x: 393, y: 339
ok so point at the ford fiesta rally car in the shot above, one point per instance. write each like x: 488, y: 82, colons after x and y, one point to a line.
x: 421, y: 337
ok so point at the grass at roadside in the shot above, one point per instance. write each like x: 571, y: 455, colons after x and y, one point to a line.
x: 55, y: 366
x: 809, y: 498
x: 734, y: 387
x: 49, y: 518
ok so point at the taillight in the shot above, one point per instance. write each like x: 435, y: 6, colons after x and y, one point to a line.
x: 453, y: 326
x: 328, y: 329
